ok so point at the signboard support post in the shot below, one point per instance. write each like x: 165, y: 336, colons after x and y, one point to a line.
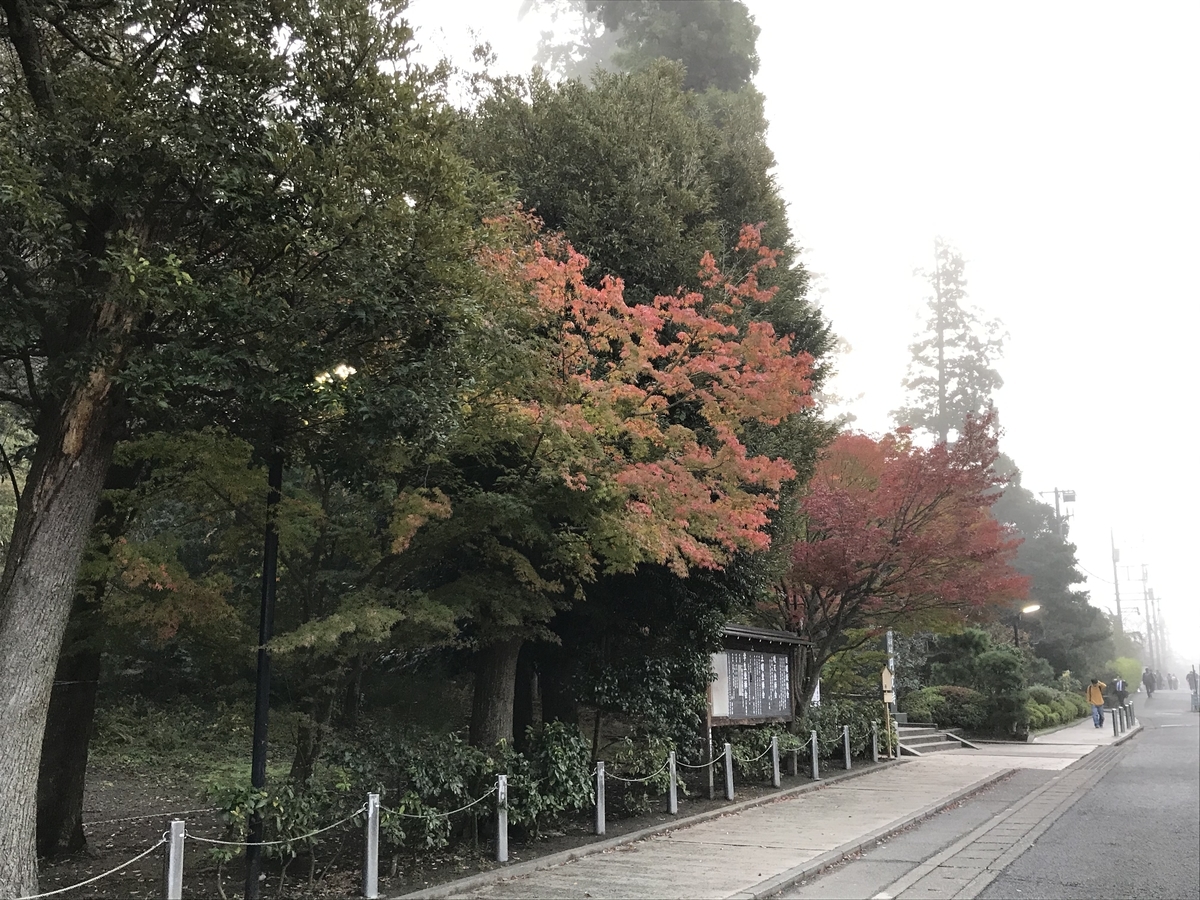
x: 846, y: 745
x: 728, y: 772
x: 775, y: 781
x: 874, y: 742
x: 816, y: 747
x: 673, y: 793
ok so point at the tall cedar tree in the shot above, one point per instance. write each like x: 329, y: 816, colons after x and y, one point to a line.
x: 714, y: 39
x: 951, y: 375
x: 1073, y: 634
x: 895, y: 534
x: 205, y: 206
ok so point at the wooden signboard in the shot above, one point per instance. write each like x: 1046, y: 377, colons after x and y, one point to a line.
x: 753, y: 677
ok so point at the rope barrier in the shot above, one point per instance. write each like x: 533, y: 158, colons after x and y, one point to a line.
x: 438, y: 815
x: 95, y: 878
x: 745, y: 762
x: 703, y: 765
x: 174, y: 815
x: 608, y: 774
x: 303, y: 837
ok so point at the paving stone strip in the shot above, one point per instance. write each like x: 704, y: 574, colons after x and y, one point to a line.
x: 966, y: 867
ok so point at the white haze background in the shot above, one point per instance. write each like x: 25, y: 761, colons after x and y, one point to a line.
x: 1058, y: 147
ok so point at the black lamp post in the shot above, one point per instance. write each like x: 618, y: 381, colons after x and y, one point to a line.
x: 1025, y: 610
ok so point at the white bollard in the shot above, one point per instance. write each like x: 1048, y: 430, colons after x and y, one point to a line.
x: 173, y: 872
x: 775, y: 780
x: 816, y: 747
x: 600, y: 824
x: 673, y: 793
x: 846, y: 745
x: 728, y: 772
x: 371, y: 855
x: 502, y: 818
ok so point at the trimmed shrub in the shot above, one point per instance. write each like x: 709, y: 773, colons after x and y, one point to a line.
x: 962, y: 708
x: 924, y: 705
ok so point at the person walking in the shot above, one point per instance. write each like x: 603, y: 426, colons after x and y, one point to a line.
x: 1192, y: 679
x: 1148, y: 682
x: 1121, y: 689
x: 1095, y: 696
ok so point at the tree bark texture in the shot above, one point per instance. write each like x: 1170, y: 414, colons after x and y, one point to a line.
x: 37, y: 588
x: 63, y: 769
x: 495, y: 685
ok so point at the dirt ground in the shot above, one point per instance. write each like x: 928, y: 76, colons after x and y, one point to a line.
x: 127, y: 813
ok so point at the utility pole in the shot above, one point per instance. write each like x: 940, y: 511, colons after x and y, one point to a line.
x: 1161, y: 643
x: 1116, y: 555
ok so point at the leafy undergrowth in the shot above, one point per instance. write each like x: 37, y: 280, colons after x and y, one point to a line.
x: 151, y: 764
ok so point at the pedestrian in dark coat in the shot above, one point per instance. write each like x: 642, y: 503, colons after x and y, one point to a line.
x: 1149, y: 682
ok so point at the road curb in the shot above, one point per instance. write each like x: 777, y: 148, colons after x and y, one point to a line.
x: 772, y: 886
x: 516, y: 870
x: 1129, y: 734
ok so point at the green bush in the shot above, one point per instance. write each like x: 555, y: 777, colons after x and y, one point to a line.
x: 750, y: 759
x: 924, y: 705
x: 1000, y: 678
x: 828, y: 718
x: 962, y: 707
x: 1065, y: 707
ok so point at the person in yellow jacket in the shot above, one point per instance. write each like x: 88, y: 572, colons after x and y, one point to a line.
x: 1095, y: 696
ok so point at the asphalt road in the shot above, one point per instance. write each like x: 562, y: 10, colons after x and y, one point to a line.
x: 1131, y: 830
x: 1136, y: 833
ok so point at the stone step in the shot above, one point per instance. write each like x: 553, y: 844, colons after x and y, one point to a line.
x: 922, y: 739
x: 917, y: 729
x: 924, y: 749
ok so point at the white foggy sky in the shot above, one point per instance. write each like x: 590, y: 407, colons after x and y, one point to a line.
x: 1058, y: 147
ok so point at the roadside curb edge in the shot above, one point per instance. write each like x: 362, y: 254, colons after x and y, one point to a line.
x: 772, y: 886
x: 516, y: 870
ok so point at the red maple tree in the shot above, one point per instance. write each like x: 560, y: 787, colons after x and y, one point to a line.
x: 895, y: 533
x: 649, y: 401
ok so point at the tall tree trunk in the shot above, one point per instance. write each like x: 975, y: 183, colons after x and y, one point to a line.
x: 63, y: 769
x: 495, y: 684
x: 69, y: 722
x: 52, y: 527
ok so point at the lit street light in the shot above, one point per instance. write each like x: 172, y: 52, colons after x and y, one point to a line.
x: 1025, y: 610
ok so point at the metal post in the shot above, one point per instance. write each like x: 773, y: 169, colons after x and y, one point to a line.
x: 173, y: 873
x: 600, y: 797
x: 262, y: 691
x: 1132, y: 714
x: 1116, y: 728
x: 846, y: 745
x: 673, y: 794
x: 371, y: 855
x: 816, y: 770
x: 728, y: 772
x: 874, y: 742
x: 775, y: 781
x: 712, y: 788
x: 502, y: 818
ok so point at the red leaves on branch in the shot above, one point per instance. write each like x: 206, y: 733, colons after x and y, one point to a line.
x: 650, y: 400
x: 895, y: 531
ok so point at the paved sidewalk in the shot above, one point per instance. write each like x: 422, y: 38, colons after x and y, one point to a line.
x: 764, y: 849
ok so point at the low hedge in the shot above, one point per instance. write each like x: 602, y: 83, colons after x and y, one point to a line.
x: 949, y: 706
x: 1048, y: 707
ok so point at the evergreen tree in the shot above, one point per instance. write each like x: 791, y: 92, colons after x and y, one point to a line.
x: 951, y: 375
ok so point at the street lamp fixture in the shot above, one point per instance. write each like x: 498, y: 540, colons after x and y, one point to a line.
x: 1031, y: 608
